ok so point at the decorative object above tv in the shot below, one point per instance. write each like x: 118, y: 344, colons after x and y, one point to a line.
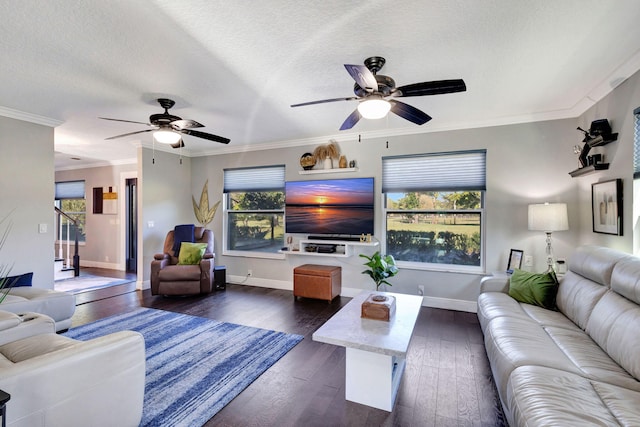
x: 339, y: 207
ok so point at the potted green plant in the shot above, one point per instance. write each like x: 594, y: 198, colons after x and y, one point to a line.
x: 381, y: 267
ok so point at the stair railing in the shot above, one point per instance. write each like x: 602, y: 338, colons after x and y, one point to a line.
x: 62, y: 218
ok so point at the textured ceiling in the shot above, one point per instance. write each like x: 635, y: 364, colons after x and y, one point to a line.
x: 236, y: 66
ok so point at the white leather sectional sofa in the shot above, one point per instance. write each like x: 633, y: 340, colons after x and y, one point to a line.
x: 580, y: 365
x: 60, y: 306
x: 58, y: 381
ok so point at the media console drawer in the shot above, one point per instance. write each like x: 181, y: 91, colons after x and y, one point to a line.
x: 317, y: 281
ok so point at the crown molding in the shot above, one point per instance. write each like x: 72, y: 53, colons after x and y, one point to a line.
x: 28, y: 117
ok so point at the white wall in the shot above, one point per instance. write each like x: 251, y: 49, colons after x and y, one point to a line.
x: 26, y: 194
x: 104, y: 245
x: 618, y: 108
x: 164, y: 191
x: 526, y: 163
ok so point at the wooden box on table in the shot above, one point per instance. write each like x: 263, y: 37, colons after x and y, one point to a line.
x: 317, y: 281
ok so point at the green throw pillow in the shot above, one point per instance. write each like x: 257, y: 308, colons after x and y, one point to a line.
x: 191, y: 253
x: 533, y: 288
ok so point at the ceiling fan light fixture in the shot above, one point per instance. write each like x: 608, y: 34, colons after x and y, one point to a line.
x: 374, y: 107
x: 164, y: 136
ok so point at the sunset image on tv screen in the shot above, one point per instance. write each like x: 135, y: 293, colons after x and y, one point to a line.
x: 332, y: 206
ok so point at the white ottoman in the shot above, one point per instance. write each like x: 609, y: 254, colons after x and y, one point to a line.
x: 60, y: 306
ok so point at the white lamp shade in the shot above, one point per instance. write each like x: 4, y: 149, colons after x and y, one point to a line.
x: 374, y: 107
x: 166, y: 137
x: 548, y: 217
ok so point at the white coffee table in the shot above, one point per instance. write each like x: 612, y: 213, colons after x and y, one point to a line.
x: 376, y: 350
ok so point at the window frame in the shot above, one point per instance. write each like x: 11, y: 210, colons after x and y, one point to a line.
x: 228, y: 212
x: 59, y: 192
x: 426, y: 266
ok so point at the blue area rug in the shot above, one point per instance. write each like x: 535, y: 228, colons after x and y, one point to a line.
x: 195, y: 366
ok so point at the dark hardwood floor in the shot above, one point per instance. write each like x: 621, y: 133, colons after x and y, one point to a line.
x: 447, y: 381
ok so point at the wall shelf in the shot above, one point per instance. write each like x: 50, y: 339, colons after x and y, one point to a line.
x: 589, y: 169
x: 334, y: 170
x: 583, y: 158
x: 344, y: 248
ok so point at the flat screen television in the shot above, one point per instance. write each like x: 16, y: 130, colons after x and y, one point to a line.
x: 340, y: 207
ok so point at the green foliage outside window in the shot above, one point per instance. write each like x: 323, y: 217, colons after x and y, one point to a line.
x: 435, y: 227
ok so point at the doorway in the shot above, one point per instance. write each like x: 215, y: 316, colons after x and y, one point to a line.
x: 131, y: 229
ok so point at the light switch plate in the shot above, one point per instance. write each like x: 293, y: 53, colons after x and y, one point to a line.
x: 42, y: 228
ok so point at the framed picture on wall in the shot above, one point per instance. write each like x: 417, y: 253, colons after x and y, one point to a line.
x: 515, y: 260
x: 606, y: 207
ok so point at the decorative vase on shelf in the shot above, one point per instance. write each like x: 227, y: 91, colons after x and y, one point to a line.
x: 328, y: 164
x: 343, y: 162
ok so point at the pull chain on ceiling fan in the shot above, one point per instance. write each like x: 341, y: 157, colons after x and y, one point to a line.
x: 376, y: 94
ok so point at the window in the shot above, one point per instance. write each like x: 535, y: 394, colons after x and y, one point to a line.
x: 70, y: 199
x: 254, y: 209
x: 434, y: 208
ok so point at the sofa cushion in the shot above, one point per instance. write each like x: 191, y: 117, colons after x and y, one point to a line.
x: 191, y: 253
x: 34, y: 346
x: 180, y: 273
x: 595, y: 262
x: 497, y: 304
x: 577, y: 296
x: 614, y: 325
x: 533, y: 288
x: 541, y: 396
x: 625, y: 279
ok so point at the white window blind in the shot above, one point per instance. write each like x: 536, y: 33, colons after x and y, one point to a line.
x: 450, y: 171
x: 69, y: 190
x: 265, y: 178
x: 636, y: 144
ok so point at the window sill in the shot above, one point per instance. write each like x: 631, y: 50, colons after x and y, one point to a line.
x: 441, y: 268
x: 249, y: 254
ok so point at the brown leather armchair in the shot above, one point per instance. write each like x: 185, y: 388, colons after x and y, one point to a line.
x: 170, y: 278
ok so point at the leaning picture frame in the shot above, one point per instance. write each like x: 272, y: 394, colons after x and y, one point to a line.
x: 606, y: 207
x: 515, y: 260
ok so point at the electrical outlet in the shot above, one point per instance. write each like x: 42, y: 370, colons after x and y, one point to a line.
x: 528, y: 261
x: 420, y: 289
x: 249, y: 272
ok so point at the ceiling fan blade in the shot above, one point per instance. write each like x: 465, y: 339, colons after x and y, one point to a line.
x: 431, y: 88
x: 126, y: 121
x: 185, y: 124
x: 351, y: 98
x: 178, y: 144
x: 408, y: 112
x: 130, y: 133
x: 204, y: 135
x: 365, y: 78
x: 351, y: 120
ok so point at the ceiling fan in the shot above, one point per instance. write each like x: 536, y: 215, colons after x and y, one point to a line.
x: 168, y: 128
x: 377, y: 94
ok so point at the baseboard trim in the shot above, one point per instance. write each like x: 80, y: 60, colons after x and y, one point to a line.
x: 450, y: 304
x: 433, y: 302
x: 262, y: 283
x: 97, y: 264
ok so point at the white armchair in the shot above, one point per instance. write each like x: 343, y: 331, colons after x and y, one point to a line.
x: 57, y: 381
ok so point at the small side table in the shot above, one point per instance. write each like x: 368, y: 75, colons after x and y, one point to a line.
x: 4, y: 398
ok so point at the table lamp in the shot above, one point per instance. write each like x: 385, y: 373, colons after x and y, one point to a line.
x: 548, y: 217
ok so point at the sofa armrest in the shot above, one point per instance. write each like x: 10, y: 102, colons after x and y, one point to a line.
x: 98, y: 382
x: 160, y: 257
x: 208, y: 255
x: 494, y: 284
